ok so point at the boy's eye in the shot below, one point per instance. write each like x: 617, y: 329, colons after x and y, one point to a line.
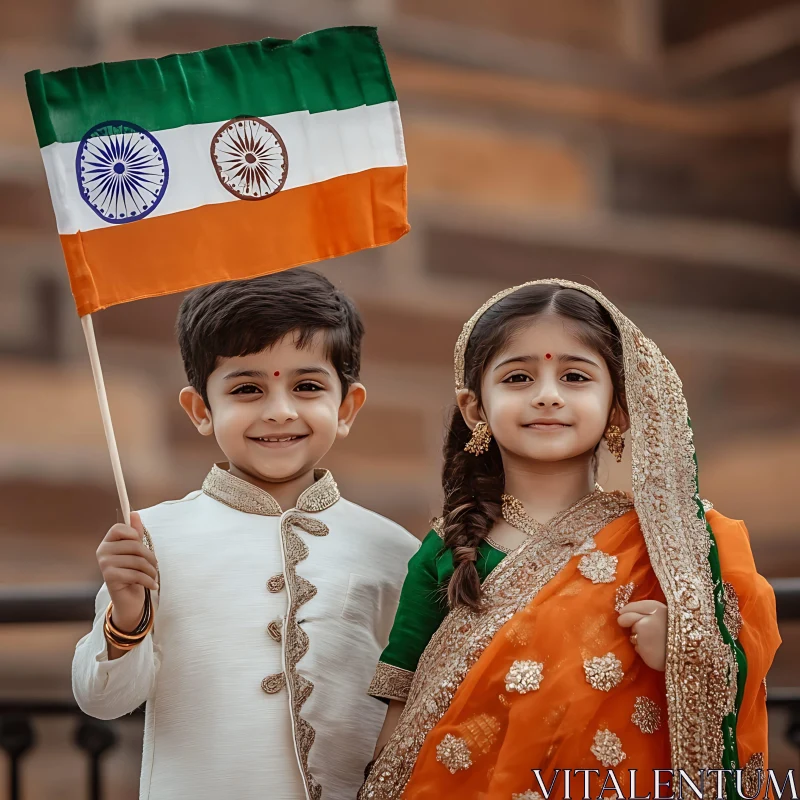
x: 518, y: 378
x: 247, y: 388
x: 574, y: 377
x: 307, y: 386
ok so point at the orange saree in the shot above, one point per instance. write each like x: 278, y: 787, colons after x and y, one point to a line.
x: 543, y: 678
x: 560, y: 686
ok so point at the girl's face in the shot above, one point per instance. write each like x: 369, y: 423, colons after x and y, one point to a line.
x: 546, y: 396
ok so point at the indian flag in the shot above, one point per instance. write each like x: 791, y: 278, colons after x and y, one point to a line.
x: 228, y: 163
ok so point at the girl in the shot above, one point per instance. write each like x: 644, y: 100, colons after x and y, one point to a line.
x: 546, y: 626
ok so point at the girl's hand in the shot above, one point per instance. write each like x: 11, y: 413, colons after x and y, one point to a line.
x: 647, y: 620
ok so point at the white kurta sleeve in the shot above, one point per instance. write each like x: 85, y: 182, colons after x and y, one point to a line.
x: 109, y: 689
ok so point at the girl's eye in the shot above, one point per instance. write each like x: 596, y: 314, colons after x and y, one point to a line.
x: 247, y: 388
x: 574, y: 377
x: 518, y: 378
x: 308, y: 387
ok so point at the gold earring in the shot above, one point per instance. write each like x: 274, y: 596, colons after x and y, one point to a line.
x: 615, y: 442
x: 480, y: 439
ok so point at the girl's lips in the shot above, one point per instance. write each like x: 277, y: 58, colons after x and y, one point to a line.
x: 547, y: 426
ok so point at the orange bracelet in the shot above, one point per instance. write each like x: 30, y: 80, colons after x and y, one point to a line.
x: 127, y: 641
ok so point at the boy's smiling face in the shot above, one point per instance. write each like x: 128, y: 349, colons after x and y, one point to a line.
x: 275, y: 414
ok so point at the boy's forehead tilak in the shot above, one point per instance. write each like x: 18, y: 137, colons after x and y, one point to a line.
x: 315, y: 369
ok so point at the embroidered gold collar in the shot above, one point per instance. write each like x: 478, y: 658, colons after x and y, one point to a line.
x: 246, y: 497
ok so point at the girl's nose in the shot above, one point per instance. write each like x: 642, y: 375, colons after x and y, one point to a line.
x: 548, y: 396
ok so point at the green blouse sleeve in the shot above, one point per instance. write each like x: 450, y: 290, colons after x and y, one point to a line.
x: 422, y: 607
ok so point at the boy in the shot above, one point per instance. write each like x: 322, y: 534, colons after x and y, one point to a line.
x: 272, y: 596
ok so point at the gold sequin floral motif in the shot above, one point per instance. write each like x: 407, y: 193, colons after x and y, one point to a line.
x: 529, y: 795
x: 604, y: 672
x: 524, y: 676
x: 646, y: 715
x: 598, y: 567
x: 607, y: 748
x: 453, y: 752
x: 623, y: 596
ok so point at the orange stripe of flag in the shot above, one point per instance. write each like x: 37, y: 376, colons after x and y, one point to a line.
x: 241, y: 239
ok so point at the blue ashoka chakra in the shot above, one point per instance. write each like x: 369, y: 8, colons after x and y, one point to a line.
x: 122, y: 171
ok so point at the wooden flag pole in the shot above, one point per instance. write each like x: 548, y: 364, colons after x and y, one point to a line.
x: 105, y: 414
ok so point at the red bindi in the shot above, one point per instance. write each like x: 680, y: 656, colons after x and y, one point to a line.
x: 548, y: 356
x: 276, y: 374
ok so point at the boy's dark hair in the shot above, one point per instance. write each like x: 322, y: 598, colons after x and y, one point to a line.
x: 238, y: 318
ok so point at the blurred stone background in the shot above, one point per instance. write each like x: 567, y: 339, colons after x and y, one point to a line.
x: 648, y: 147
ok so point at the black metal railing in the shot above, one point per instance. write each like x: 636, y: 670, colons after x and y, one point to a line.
x: 32, y: 605
x: 94, y: 737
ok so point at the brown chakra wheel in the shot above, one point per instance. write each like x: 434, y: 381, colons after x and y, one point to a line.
x: 250, y: 158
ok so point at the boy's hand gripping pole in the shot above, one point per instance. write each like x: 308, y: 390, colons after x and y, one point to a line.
x: 105, y: 414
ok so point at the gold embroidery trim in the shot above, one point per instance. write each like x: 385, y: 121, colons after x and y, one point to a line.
x: 296, y: 642
x: 752, y: 781
x: 701, y: 670
x: 464, y: 634
x: 732, y: 618
x: 497, y: 546
x: 243, y: 496
x: 437, y: 525
x: 147, y: 540
x: 390, y: 682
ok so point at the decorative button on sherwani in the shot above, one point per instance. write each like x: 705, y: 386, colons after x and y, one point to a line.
x: 274, y: 629
x: 272, y: 684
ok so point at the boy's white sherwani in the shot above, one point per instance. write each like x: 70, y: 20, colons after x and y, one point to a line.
x: 268, y: 630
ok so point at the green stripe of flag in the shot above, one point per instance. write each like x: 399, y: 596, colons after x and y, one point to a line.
x: 332, y: 69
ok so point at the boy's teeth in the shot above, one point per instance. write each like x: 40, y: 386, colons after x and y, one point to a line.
x: 276, y: 439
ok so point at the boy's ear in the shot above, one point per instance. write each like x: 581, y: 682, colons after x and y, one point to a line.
x: 470, y: 410
x: 195, y: 408
x: 354, y: 399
